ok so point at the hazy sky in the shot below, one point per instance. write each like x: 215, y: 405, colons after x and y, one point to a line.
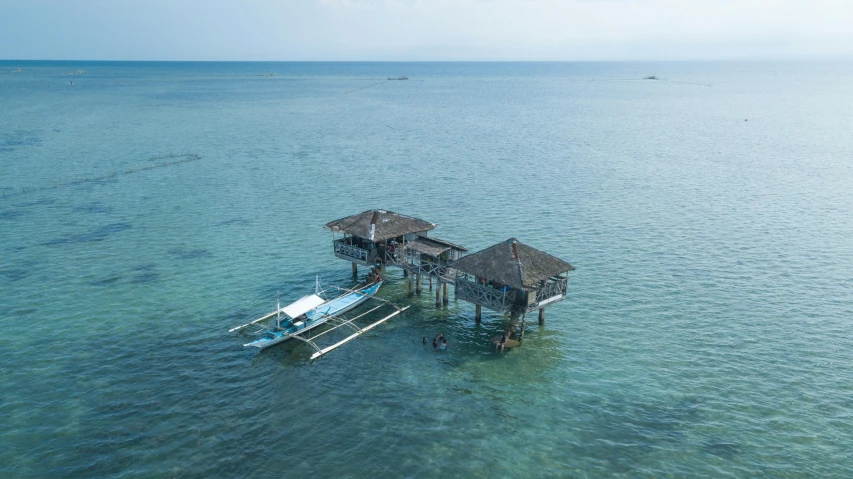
x: 425, y: 29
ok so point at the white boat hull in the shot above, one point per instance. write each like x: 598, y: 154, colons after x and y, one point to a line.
x: 316, y: 317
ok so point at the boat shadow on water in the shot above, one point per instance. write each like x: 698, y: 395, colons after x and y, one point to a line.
x: 287, y: 354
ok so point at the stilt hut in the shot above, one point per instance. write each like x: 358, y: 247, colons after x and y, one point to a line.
x: 375, y: 236
x: 511, y: 277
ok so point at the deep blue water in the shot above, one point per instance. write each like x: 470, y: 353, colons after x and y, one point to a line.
x: 706, y: 332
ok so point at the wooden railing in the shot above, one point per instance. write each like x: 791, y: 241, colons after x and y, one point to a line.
x: 494, y: 299
x: 354, y: 253
x: 550, y: 293
x: 412, y: 262
x: 503, y: 301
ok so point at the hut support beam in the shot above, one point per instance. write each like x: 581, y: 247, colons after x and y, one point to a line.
x: 509, y: 327
x: 354, y: 269
x: 445, y: 294
x: 418, y: 284
x: 542, y: 317
x: 438, y: 295
x: 513, y: 320
x: 430, y: 282
x: 411, y: 286
x: 478, y: 312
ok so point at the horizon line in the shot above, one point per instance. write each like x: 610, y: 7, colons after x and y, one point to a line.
x: 705, y: 60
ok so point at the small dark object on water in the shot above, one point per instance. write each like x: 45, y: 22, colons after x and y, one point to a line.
x: 650, y: 77
x: 424, y: 341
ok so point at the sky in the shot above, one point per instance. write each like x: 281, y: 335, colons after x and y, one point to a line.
x: 425, y: 30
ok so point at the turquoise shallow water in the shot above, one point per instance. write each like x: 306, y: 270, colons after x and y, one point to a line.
x: 706, y: 332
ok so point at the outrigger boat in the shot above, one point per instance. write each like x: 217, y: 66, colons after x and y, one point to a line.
x: 309, y: 312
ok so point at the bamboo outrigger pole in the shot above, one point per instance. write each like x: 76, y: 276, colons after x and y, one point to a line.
x: 355, y: 335
x: 349, y: 321
x: 270, y: 315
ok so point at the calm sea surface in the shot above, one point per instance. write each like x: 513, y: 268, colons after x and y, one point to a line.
x: 706, y: 333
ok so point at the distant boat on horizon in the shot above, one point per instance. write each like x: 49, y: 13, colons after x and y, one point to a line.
x: 402, y: 77
x: 650, y: 77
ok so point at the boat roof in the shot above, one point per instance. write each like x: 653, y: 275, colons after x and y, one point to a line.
x: 303, y: 305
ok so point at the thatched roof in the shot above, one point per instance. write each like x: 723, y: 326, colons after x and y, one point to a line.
x: 432, y: 246
x: 513, y: 264
x: 379, y: 225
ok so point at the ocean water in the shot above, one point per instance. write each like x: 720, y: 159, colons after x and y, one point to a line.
x: 146, y: 208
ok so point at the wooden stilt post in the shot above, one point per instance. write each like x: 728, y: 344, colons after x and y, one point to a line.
x: 478, y: 310
x: 354, y: 269
x: 405, y: 273
x: 523, y: 324
x: 445, y: 294
x: 437, y: 294
x: 418, y: 284
x: 430, y: 282
x: 542, y: 317
x: 411, y: 285
x: 513, y: 320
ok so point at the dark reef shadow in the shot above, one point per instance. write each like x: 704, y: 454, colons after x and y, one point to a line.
x: 185, y: 254
x: 233, y: 221
x: 10, y: 214
x: 99, y: 234
x: 92, y: 208
x: 147, y: 277
x: 725, y: 450
x: 18, y: 139
x: 45, y: 201
x: 11, y: 274
x: 106, y: 281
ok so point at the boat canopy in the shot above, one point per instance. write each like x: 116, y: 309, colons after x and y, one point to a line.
x: 303, y: 305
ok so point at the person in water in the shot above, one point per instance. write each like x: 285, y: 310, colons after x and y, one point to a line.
x: 443, y: 344
x: 434, y: 343
x: 424, y: 341
x: 502, y: 342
